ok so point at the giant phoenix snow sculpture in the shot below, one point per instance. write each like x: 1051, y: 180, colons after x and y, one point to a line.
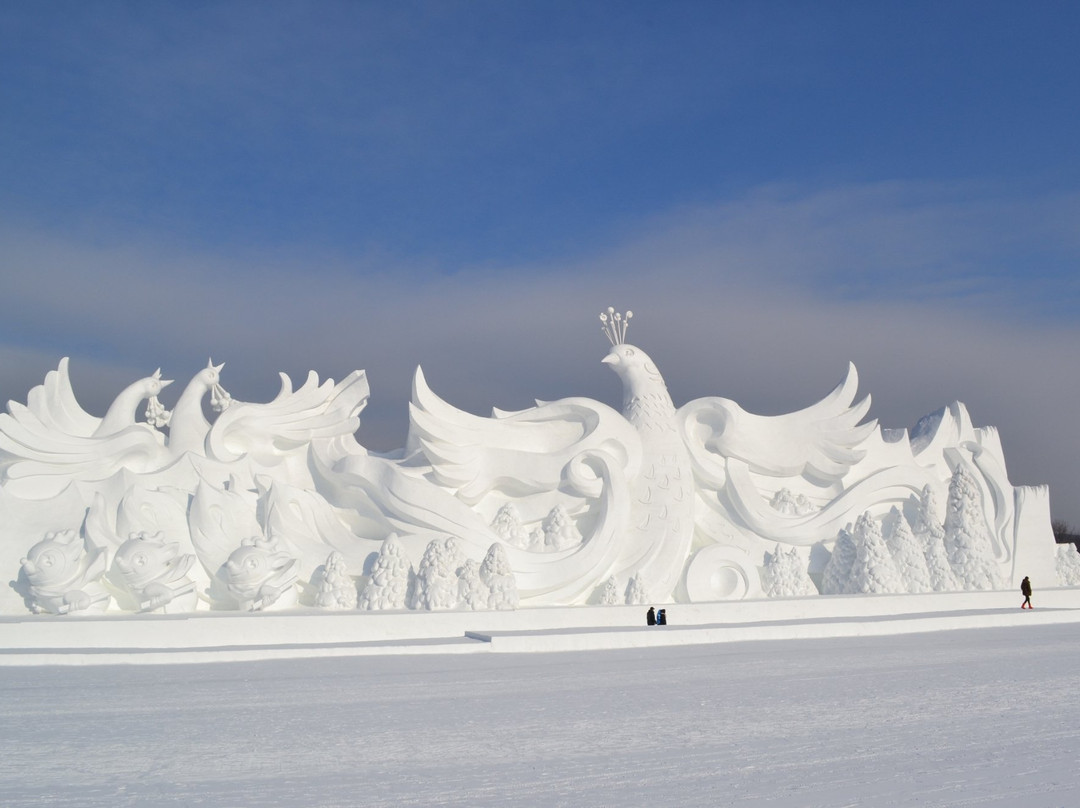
x: 569, y: 502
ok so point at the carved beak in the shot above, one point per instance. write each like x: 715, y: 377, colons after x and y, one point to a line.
x: 166, y: 382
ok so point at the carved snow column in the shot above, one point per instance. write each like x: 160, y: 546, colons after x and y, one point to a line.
x: 1035, y: 543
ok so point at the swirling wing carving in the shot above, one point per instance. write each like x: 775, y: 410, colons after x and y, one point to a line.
x: 53, y: 404
x: 38, y: 462
x: 265, y: 432
x: 821, y: 441
x: 519, y: 452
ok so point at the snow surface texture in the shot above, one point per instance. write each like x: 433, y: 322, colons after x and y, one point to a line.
x: 987, y: 718
x: 276, y: 504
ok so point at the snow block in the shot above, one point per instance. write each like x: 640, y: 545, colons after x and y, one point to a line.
x: 1035, y: 546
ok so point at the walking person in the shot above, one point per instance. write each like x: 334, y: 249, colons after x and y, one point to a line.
x: 1025, y: 590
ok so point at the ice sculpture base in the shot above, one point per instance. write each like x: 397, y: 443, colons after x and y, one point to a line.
x: 231, y: 637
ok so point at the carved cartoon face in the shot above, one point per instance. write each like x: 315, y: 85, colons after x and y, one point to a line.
x: 252, y: 564
x: 54, y: 560
x: 143, y: 558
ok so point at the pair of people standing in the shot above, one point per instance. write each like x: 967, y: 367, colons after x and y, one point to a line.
x: 656, y: 618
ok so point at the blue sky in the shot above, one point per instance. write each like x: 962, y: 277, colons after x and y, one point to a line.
x: 775, y: 188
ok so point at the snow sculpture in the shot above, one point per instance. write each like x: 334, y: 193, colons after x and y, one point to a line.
x: 436, y: 579
x: 836, y: 579
x: 932, y: 535
x: 507, y: 526
x: 637, y: 594
x: 692, y: 500
x: 259, y: 575
x: 873, y: 571
x: 784, y: 574
x: 609, y: 595
x: 498, y: 579
x: 148, y: 574
x: 967, y: 542
x: 559, y: 530
x: 389, y: 584
x: 907, y: 552
x: 1068, y: 565
x: 62, y: 575
x: 473, y: 591
x: 791, y: 504
x: 337, y: 590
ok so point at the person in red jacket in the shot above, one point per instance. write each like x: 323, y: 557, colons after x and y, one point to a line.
x: 1025, y: 590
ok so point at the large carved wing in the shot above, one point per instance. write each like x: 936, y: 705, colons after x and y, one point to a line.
x: 266, y: 432
x: 37, y: 461
x: 518, y: 453
x: 53, y: 404
x: 821, y: 441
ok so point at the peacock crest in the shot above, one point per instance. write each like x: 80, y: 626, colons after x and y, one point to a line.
x: 614, y: 325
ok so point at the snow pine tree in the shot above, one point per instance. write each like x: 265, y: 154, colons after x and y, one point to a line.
x: 559, y: 530
x: 499, y: 579
x: 907, y: 552
x: 436, y: 580
x: 507, y: 526
x: 609, y: 596
x: 874, y: 571
x: 967, y: 542
x: 788, y: 503
x: 1067, y: 564
x: 784, y: 575
x: 337, y: 590
x: 929, y: 532
x: 837, y: 574
x: 473, y: 593
x: 389, y: 584
x: 637, y: 594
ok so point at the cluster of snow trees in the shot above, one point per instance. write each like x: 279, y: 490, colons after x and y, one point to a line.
x: 922, y: 556
x: 446, y: 579
x: 788, y: 503
x: 636, y: 593
x: 557, y: 531
x: 1067, y: 564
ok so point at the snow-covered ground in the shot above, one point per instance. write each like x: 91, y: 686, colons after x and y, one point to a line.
x: 988, y: 716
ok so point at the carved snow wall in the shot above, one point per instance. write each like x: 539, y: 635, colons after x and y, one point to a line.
x: 275, y: 505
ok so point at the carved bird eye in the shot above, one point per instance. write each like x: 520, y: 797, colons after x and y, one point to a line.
x: 139, y: 560
x: 253, y: 563
x: 628, y: 352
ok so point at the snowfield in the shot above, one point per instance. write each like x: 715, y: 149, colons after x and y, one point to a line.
x: 978, y: 717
